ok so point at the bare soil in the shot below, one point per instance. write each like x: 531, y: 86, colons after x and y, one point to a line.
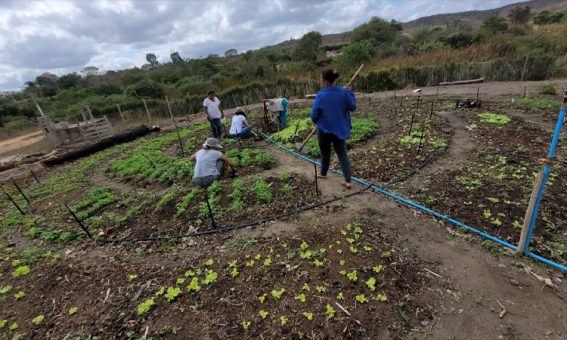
x: 439, y: 282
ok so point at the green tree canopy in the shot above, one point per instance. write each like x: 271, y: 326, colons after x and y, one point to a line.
x: 377, y: 31
x: 309, y: 46
x: 494, y: 24
x: 520, y: 15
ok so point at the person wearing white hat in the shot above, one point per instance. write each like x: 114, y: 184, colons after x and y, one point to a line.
x: 240, y: 128
x: 210, y: 163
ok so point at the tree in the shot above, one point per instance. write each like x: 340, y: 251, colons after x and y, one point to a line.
x: 175, y: 58
x: 547, y: 17
x: 520, y: 15
x: 89, y: 71
x: 68, y: 81
x: 355, y: 54
x: 377, y: 31
x: 259, y: 72
x: 152, y: 60
x: 230, y: 52
x: 494, y: 24
x: 308, y: 46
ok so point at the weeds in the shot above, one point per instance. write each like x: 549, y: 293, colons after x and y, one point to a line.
x: 493, y: 118
x: 263, y: 192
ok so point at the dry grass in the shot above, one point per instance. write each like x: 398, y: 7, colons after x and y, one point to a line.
x: 478, y: 53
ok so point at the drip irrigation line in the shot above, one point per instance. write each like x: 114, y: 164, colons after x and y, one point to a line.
x: 401, y: 199
x: 429, y: 211
x: 409, y: 174
x: 233, y: 228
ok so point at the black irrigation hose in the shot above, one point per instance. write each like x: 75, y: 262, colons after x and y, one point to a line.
x: 409, y: 174
x: 233, y: 228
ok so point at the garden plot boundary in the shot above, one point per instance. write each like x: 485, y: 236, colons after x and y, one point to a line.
x: 380, y: 189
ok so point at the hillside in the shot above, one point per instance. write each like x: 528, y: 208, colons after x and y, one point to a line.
x: 478, y: 16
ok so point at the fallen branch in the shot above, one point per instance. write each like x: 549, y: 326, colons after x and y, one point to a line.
x: 432, y: 272
x: 342, y: 308
x: 503, y: 311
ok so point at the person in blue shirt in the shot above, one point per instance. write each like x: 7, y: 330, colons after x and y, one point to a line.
x: 331, y: 114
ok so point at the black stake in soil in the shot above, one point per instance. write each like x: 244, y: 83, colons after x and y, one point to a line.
x: 21, y: 192
x: 316, y: 181
x: 79, y: 221
x: 411, y: 123
x: 210, y: 210
x: 14, y: 202
x: 34, y: 176
x: 477, y: 91
x: 524, y: 91
x: 431, y: 111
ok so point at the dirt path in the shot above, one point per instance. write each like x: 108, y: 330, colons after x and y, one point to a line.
x: 475, y: 280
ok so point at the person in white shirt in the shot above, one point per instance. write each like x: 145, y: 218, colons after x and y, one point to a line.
x: 209, y: 163
x: 240, y: 128
x: 214, y: 113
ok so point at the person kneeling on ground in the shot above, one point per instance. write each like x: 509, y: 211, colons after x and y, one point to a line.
x: 240, y: 128
x: 210, y: 163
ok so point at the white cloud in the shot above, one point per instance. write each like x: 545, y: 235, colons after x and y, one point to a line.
x: 63, y: 36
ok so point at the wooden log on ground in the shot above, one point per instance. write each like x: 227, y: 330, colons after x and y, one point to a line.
x: 462, y: 82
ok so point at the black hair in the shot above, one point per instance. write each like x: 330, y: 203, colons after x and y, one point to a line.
x: 210, y: 92
x: 330, y: 75
x: 240, y: 113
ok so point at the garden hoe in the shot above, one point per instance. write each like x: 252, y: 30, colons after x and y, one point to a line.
x: 300, y: 146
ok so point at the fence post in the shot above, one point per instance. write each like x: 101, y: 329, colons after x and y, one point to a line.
x: 120, y: 112
x: 147, y: 111
x: 175, y: 124
x: 537, y: 192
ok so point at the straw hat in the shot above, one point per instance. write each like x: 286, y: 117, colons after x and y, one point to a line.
x: 239, y: 109
x: 212, y: 143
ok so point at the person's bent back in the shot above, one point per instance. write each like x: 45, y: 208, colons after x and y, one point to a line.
x: 240, y: 128
x: 210, y: 163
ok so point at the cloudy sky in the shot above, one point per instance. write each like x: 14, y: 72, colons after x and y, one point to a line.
x: 64, y: 36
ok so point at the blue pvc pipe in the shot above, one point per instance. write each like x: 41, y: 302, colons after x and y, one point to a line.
x: 546, y: 261
x: 425, y: 209
x: 557, y: 132
x: 399, y: 198
x: 546, y: 171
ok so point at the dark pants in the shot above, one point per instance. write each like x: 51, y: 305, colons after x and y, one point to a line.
x: 247, y: 131
x: 216, y: 127
x: 325, y: 141
x: 205, y: 181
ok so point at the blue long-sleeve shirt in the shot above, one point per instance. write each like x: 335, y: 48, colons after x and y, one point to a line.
x: 331, y: 111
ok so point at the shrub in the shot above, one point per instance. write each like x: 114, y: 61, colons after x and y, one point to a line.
x: 546, y: 89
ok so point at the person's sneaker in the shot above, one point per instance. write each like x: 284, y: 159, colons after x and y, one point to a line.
x: 346, y: 185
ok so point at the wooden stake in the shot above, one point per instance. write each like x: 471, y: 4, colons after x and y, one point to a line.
x: 529, y: 212
x: 175, y: 124
x: 90, y: 112
x: 147, y: 111
x: 120, y: 112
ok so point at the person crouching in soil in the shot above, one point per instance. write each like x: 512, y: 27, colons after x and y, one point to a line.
x: 331, y: 114
x: 240, y: 128
x: 210, y: 163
